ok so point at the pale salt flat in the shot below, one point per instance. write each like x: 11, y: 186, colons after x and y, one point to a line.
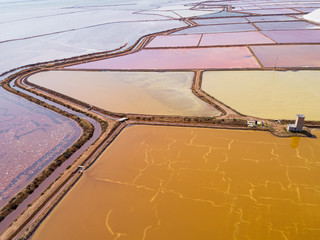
x: 66, y: 22
x: 33, y: 32
x: 84, y: 41
x: 313, y: 16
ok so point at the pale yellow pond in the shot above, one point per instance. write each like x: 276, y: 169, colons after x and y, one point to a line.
x: 156, y: 93
x: 267, y: 94
x: 190, y: 183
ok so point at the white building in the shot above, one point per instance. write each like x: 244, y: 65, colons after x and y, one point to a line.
x: 297, y: 127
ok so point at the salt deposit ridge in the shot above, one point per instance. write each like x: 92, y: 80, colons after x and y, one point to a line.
x: 314, y: 16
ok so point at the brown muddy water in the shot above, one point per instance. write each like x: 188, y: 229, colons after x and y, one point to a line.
x: 156, y: 93
x: 267, y: 94
x: 188, y: 183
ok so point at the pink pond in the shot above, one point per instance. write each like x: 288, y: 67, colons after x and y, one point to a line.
x: 294, y: 36
x: 271, y: 18
x: 236, y: 38
x: 272, y: 11
x: 213, y: 21
x: 241, y: 27
x: 31, y: 137
x: 175, y: 41
x: 286, y: 25
x: 180, y: 58
x: 288, y: 56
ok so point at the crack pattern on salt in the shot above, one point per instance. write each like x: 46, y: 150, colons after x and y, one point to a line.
x: 244, y: 185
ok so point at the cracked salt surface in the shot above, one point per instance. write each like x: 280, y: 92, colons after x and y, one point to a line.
x: 189, y: 183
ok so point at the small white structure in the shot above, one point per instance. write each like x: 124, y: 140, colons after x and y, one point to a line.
x: 314, y: 16
x: 123, y: 119
x: 254, y: 123
x: 81, y: 168
x: 299, y: 122
x: 297, y: 127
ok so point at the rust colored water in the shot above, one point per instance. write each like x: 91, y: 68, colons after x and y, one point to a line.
x: 157, y: 93
x: 268, y: 94
x: 30, y: 138
x: 188, y: 183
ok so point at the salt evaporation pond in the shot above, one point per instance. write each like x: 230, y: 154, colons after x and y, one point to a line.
x: 234, y: 38
x: 267, y: 94
x: 288, y: 55
x: 277, y: 18
x: 156, y: 93
x: 189, y: 183
x: 286, y: 25
x: 181, y: 58
x: 33, y: 31
x: 30, y: 138
x: 239, y: 27
x: 175, y: 41
x: 271, y: 11
x: 294, y: 36
x: 212, y: 39
x: 213, y: 21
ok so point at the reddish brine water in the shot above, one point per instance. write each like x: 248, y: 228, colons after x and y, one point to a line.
x: 182, y: 58
x: 30, y: 138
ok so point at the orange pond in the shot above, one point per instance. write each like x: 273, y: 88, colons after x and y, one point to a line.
x: 156, y: 93
x: 188, y: 183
